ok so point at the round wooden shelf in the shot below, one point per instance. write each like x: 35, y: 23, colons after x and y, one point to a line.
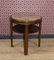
x: 21, y: 28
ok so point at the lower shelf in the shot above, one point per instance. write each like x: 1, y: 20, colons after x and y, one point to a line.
x: 21, y: 28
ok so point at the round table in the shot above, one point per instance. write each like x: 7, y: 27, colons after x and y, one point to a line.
x: 25, y: 20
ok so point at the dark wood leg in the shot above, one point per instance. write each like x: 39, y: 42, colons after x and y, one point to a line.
x: 11, y: 39
x: 39, y: 35
x: 26, y: 40
x: 11, y: 33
